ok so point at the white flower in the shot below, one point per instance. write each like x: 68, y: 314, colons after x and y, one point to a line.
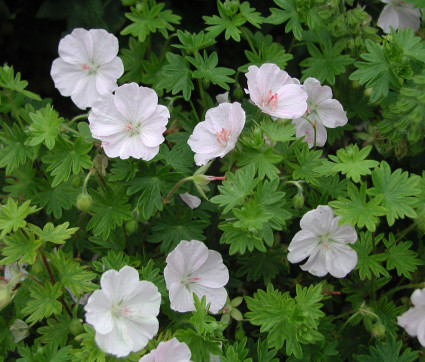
x: 324, y: 243
x: 12, y: 270
x: 123, y: 313
x: 190, y: 200
x: 222, y: 97
x: 413, y: 321
x: 218, y: 134
x: 399, y: 15
x: 88, y: 66
x: 322, y: 111
x: 129, y: 123
x: 193, y: 268
x: 275, y: 92
x: 170, y: 351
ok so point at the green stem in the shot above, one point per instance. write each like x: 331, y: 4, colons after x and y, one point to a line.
x: 408, y: 286
x: 194, y: 111
x: 403, y: 233
x: 76, y: 118
x: 246, y: 37
x: 15, y: 109
x: 202, y: 94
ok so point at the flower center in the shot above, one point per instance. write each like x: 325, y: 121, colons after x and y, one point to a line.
x: 270, y: 100
x: 223, y: 137
x: 121, y: 310
x: 89, y: 68
x: 132, y: 129
x: 186, y: 281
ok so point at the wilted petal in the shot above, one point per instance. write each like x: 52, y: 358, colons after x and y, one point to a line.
x: 190, y: 200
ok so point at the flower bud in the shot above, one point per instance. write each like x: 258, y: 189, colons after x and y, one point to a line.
x: 84, y: 202
x: 76, y: 327
x: 298, y: 201
x: 37, y: 268
x: 238, y: 92
x: 131, y: 226
x: 230, y: 7
x: 378, y: 330
x: 76, y: 181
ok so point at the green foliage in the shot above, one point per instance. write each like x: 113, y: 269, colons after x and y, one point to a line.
x: 20, y: 246
x: 56, y: 330
x: 388, y: 350
x: 324, y: 65
x: 263, y: 159
x: 308, y: 166
x: 10, y: 81
x: 192, y: 42
x: 56, y: 235
x: 67, y: 157
x: 206, y: 68
x: 229, y: 24
x: 236, y: 352
x: 43, y: 302
x: 351, y: 162
x: 397, y: 191
x: 278, y: 132
x: 110, y: 209
x: 288, y: 12
x: 45, y: 127
x: 287, y: 320
x: 357, y: 210
x: 12, y: 216
x: 236, y: 187
x: 72, y: 274
x: 147, y: 20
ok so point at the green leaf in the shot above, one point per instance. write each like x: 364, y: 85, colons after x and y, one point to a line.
x: 278, y: 132
x: 20, y: 246
x: 411, y: 45
x: 72, y: 275
x: 368, y: 263
x: 287, y: 320
x: 176, y: 76
x: 15, y: 152
x: 375, y: 72
x: 252, y: 16
x: 192, y: 42
x: 351, y: 162
x: 43, y: 302
x: 133, y: 59
x: 56, y: 330
x: 309, y: 166
x: 199, y: 345
x: 67, y: 157
x: 401, y: 257
x: 174, y: 226
x: 55, y: 200
x: 240, y: 240
x: 236, y: 187
x: 288, y: 12
x: 56, y: 235
x: 180, y: 157
x: 202, y: 322
x: 236, y: 352
x: 45, y: 127
x: 388, y: 351
x: 22, y: 182
x: 110, y: 209
x: 327, y: 64
x: 263, y: 160
x: 356, y: 210
x: 12, y: 216
x: 147, y: 21
x: 397, y: 190
x: 9, y: 81
x: 263, y: 352
x: 251, y: 216
x: 218, y: 24
x: 206, y: 68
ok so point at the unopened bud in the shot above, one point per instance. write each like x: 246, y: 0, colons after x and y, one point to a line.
x: 76, y: 327
x: 298, y: 201
x: 378, y: 330
x: 131, y: 226
x: 230, y: 7
x: 238, y: 92
x: 76, y: 181
x: 84, y: 202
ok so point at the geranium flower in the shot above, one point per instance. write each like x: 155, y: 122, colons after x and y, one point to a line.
x: 88, y: 66
x: 413, y: 321
x: 170, y: 351
x: 193, y: 268
x: 129, y: 123
x: 218, y: 134
x: 123, y: 313
x: 399, y: 15
x: 324, y: 242
x: 275, y: 92
x: 322, y: 111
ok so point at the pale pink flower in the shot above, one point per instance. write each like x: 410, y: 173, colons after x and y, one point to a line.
x: 88, y: 66
x: 190, y: 200
x: 123, y: 313
x: 324, y: 243
x: 170, y: 351
x: 218, y: 134
x: 193, y: 268
x: 399, y: 15
x: 413, y: 321
x: 275, y: 92
x: 129, y: 123
x: 322, y: 111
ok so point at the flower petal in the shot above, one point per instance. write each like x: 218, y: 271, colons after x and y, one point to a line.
x: 340, y: 260
x: 66, y: 76
x: 190, y: 200
x: 302, y: 245
x: 98, y: 311
x: 77, y: 47
x: 418, y: 298
x: 152, y: 128
x: 316, y: 264
x: 105, y: 46
x: 170, y: 351
x: 181, y: 299
x: 85, y: 93
x: 115, y: 342
x: 213, y: 273
x: 331, y: 113
x: 216, y: 296
x: 318, y: 221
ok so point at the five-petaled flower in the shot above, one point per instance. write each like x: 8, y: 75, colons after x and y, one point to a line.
x: 321, y: 111
x: 413, y: 321
x: 399, y: 15
x: 218, y: 134
x: 129, y: 123
x: 123, y: 313
x: 170, y: 351
x: 193, y: 268
x: 324, y: 242
x: 88, y: 66
x: 275, y: 92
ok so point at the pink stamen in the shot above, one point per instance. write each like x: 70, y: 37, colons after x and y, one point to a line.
x: 223, y: 137
x: 218, y: 178
x: 85, y: 67
x: 128, y: 127
x: 192, y: 280
x: 125, y: 310
x: 326, y: 245
x: 271, y: 100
